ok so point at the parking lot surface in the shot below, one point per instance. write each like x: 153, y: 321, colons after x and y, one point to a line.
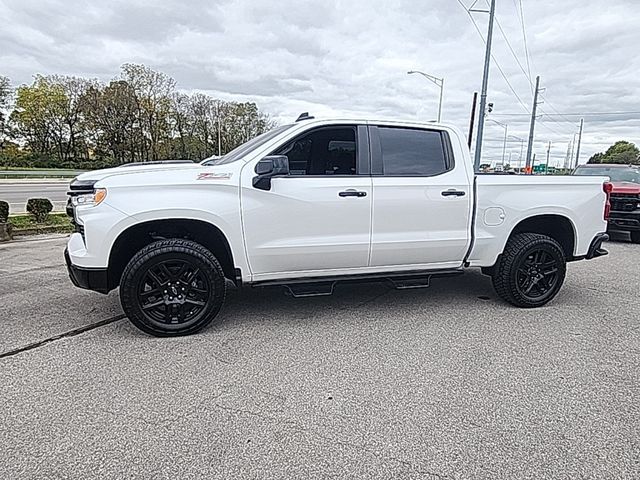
x: 444, y: 382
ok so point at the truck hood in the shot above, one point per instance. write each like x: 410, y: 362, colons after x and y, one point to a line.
x: 169, y: 166
x: 628, y: 188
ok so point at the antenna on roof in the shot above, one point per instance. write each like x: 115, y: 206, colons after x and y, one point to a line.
x: 304, y: 116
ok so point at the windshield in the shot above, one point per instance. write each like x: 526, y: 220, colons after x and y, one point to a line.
x: 243, y: 149
x: 616, y: 174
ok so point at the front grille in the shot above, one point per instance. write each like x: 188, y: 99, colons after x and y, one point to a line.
x: 623, y: 202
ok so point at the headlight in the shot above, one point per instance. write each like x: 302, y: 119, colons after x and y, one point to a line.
x: 90, y: 199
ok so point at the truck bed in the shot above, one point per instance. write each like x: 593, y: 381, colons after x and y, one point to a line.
x: 502, y: 201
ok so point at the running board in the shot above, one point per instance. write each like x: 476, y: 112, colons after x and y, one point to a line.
x: 320, y: 286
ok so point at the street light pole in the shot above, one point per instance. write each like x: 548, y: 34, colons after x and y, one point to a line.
x: 439, y: 82
x: 440, y: 102
x: 504, y: 143
x: 521, y: 140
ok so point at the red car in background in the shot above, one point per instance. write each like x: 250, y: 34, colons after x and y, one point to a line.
x: 625, y: 196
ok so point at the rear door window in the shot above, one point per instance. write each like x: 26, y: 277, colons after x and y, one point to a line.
x: 413, y: 151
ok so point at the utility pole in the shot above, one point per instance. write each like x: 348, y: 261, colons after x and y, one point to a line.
x: 568, y: 159
x: 521, y: 153
x: 473, y: 116
x: 579, y: 140
x: 219, y: 127
x: 546, y: 168
x: 533, y: 162
x: 504, y: 144
x: 573, y: 148
x: 483, y: 94
x: 533, y: 122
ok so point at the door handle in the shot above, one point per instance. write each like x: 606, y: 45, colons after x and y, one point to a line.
x: 453, y: 193
x: 352, y: 193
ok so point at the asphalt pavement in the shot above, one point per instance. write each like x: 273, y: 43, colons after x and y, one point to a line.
x: 17, y: 192
x: 444, y: 382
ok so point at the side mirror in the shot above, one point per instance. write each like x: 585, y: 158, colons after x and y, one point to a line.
x: 269, y: 167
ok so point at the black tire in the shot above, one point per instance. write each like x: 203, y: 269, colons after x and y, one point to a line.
x: 635, y: 236
x: 172, y: 287
x: 530, y: 271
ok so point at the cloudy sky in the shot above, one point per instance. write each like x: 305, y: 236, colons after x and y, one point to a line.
x: 339, y: 57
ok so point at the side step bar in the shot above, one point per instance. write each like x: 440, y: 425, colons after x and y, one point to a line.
x: 407, y: 283
x: 301, y: 290
x: 320, y: 286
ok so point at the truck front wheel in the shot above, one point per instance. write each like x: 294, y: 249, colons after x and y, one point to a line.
x: 172, y: 287
x: 530, y: 271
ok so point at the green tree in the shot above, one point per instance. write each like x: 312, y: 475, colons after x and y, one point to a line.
x: 620, y: 152
x: 153, y: 96
x: 111, y: 121
x: 48, y: 116
x: 5, y: 96
x: 139, y: 116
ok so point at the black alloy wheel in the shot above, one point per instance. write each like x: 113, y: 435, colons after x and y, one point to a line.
x: 172, y: 287
x: 173, y: 292
x: 530, y: 271
x: 538, y: 274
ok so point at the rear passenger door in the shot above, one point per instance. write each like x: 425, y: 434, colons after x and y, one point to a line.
x: 421, y: 200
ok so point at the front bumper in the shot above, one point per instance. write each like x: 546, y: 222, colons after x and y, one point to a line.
x: 95, y: 279
x: 595, y: 249
x: 625, y: 221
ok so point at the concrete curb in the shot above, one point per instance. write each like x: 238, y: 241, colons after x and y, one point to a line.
x: 34, y: 238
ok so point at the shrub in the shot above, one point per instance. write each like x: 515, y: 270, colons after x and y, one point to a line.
x: 39, y: 208
x: 4, y: 211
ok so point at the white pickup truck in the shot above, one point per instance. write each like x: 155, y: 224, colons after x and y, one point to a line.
x: 320, y: 201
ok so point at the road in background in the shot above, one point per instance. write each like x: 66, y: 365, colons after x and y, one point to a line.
x: 18, y: 192
x: 40, y: 173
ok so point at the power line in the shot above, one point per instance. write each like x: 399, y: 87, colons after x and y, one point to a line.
x: 528, y: 75
x: 556, y: 110
x: 504, y: 35
x: 494, y: 58
x: 571, y: 114
x: 527, y: 56
x: 524, y: 38
x: 548, y: 127
x: 563, y: 125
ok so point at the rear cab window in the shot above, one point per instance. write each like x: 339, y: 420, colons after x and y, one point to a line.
x: 410, y: 152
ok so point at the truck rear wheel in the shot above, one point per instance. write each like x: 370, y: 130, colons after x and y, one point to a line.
x: 172, y: 287
x: 530, y: 271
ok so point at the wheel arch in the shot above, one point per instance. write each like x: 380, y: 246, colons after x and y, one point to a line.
x: 558, y: 227
x: 137, y: 236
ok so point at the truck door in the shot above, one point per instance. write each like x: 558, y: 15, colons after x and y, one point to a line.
x: 317, y: 219
x: 422, y: 200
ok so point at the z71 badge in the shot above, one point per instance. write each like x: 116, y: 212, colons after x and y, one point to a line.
x: 214, y: 176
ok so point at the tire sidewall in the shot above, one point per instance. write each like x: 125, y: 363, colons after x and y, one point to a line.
x: 166, y: 250
x: 518, y: 248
